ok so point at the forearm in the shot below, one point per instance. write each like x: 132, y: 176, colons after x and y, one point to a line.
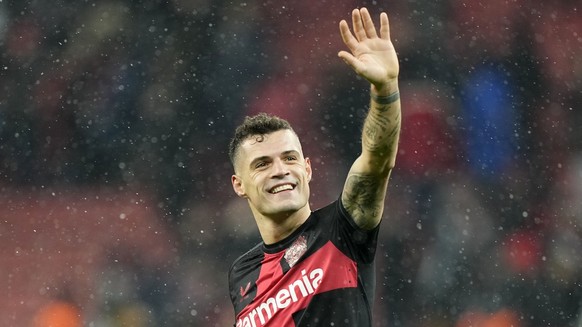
x: 373, y: 57
x: 381, y: 128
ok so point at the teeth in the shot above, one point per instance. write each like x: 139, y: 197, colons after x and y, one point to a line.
x: 281, y: 188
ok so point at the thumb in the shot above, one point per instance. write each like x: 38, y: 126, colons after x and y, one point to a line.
x: 352, y: 61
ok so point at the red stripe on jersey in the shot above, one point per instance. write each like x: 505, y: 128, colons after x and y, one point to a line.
x: 280, y: 295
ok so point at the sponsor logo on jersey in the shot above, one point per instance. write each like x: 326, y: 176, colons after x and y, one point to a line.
x: 296, y: 291
x: 280, y: 294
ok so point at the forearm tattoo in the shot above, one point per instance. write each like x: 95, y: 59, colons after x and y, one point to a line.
x: 364, y: 191
x: 381, y: 130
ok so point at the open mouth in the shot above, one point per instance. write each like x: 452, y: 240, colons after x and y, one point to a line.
x: 281, y: 188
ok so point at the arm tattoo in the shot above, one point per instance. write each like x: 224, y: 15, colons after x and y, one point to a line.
x: 363, y: 198
x: 381, y: 131
x: 365, y: 187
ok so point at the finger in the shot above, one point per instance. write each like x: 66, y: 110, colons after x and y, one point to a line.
x: 384, y: 26
x: 368, y: 23
x: 347, y: 36
x: 358, y: 26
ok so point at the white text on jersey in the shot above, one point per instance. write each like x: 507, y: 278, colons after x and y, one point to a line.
x: 297, y: 290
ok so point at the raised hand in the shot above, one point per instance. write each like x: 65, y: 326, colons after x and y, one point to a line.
x: 372, y: 56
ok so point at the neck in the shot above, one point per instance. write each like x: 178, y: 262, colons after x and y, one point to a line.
x: 276, y: 229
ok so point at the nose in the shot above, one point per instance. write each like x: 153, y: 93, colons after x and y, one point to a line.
x: 279, y: 168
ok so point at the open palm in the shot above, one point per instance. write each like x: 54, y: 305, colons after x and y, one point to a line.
x: 372, y: 56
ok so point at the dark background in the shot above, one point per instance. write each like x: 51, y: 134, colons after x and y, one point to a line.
x: 115, y: 199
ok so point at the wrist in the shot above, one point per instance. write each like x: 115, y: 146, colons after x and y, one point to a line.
x: 384, y: 89
x: 385, y: 99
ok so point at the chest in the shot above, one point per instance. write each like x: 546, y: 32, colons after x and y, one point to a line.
x: 288, y: 281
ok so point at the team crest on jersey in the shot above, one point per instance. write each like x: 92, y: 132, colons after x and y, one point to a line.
x: 296, y: 250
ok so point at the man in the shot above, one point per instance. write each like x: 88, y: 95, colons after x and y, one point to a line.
x: 316, y: 268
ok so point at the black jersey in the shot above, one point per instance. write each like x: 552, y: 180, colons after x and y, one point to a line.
x: 320, y: 275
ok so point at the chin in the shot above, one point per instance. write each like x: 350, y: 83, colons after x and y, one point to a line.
x: 288, y: 208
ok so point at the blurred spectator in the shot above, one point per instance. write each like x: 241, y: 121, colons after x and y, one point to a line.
x: 133, y: 315
x: 556, y: 40
x: 483, y: 31
x: 58, y: 314
x: 114, y: 177
x: 501, y: 318
x: 429, y: 147
x: 489, y: 121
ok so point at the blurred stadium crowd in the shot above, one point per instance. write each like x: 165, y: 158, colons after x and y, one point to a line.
x: 116, y: 207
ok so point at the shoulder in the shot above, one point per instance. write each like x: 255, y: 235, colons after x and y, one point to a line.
x: 335, y: 218
x: 334, y: 211
x: 335, y: 224
x: 249, y: 258
x: 330, y: 209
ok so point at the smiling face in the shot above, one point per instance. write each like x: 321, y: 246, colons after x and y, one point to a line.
x: 272, y: 174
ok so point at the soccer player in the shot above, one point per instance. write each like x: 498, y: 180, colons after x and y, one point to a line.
x: 316, y: 268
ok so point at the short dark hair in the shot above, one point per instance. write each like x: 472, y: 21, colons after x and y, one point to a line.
x: 260, y: 124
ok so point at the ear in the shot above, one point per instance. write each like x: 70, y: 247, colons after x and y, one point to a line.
x: 308, y: 169
x: 237, y: 186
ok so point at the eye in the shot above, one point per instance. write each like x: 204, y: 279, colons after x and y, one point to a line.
x: 260, y: 164
x: 290, y: 158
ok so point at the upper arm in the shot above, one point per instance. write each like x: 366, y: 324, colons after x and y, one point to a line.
x: 364, y: 192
